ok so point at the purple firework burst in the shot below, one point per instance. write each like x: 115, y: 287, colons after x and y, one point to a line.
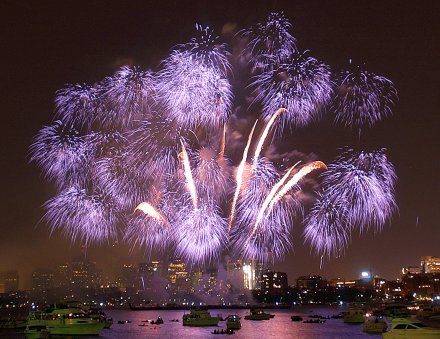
x: 146, y: 151
x: 270, y: 43
x: 364, y: 182
x: 327, y: 227
x: 77, y: 105
x: 128, y: 95
x: 88, y: 218
x: 363, y: 98
x: 302, y: 86
x: 62, y: 153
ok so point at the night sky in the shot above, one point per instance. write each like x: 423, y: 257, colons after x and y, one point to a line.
x: 47, y: 44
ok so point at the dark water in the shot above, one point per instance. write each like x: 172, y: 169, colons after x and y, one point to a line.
x: 281, y: 326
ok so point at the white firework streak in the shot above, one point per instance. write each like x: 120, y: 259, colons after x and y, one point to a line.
x: 294, y: 180
x: 264, y: 135
x: 188, y: 175
x: 270, y: 196
x: 151, y: 211
x: 239, y: 176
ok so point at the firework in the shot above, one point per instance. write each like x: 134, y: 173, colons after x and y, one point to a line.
x: 88, y: 218
x: 302, y: 86
x: 145, y: 152
x: 128, y: 95
x: 154, y: 146
x: 363, y: 98
x: 194, y: 86
x: 364, y: 181
x: 61, y: 152
x: 200, y: 234
x: 149, y: 230
x: 77, y: 105
x: 270, y: 42
x: 327, y: 227
x: 211, y: 175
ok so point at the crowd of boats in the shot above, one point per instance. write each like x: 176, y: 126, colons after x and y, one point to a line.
x: 394, y: 320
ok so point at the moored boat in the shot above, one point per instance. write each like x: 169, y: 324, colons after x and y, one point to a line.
x: 355, y: 315
x: 374, y: 325
x: 233, y: 322
x: 406, y: 328
x: 199, y: 317
x: 66, y: 321
x: 36, y: 332
x: 257, y: 314
x: 296, y: 318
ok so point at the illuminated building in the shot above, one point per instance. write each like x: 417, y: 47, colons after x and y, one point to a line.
x: 84, y: 273
x: 274, y: 283
x: 311, y: 283
x: 42, y: 280
x: 430, y: 264
x: 248, y: 276
x: 9, y: 281
x: 62, y: 276
x: 235, y: 274
x: 178, y: 277
x: 412, y: 270
x: 128, y: 278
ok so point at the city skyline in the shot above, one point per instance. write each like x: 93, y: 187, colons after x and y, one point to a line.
x: 414, y: 228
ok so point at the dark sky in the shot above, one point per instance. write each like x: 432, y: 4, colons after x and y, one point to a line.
x: 47, y: 44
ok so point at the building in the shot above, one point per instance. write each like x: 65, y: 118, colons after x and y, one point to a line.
x: 147, y: 272
x: 83, y: 273
x: 43, y: 280
x: 274, y: 283
x: 129, y: 277
x: 311, y: 283
x: 430, y: 264
x: 9, y: 281
x: 178, y: 278
x: 412, y: 270
x: 62, y: 276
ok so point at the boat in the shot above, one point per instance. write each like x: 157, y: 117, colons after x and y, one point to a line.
x: 374, y: 325
x: 199, y: 317
x: 396, y: 311
x: 233, y: 322
x: 406, y: 328
x: 296, y: 318
x: 257, y: 314
x: 66, y: 321
x: 159, y: 321
x: 36, y: 332
x: 99, y: 315
x: 428, y: 312
x: 355, y: 315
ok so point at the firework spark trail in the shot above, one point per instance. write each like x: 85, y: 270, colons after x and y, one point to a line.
x: 315, y: 165
x: 151, y: 211
x: 221, y: 153
x: 269, y: 197
x: 239, y: 176
x: 264, y: 135
x: 188, y: 175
